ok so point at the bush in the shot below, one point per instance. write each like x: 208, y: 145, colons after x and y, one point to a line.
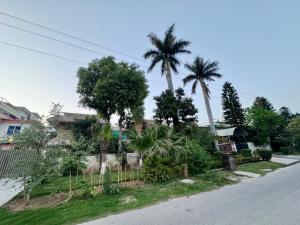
x: 246, y: 152
x: 160, y: 169
x: 109, y: 187
x: 287, y: 150
x: 198, y: 159
x: 70, y: 164
x: 88, y: 190
x: 240, y: 159
x: 265, y: 154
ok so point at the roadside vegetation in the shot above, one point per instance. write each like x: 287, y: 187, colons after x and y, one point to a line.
x: 60, y: 189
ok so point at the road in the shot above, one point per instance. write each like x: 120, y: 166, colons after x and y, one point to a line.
x: 270, y: 200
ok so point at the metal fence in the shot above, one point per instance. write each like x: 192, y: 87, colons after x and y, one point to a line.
x: 9, y: 166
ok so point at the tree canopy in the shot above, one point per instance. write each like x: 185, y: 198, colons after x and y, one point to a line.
x: 110, y: 87
x: 264, y: 103
x: 232, y: 108
x: 170, y: 106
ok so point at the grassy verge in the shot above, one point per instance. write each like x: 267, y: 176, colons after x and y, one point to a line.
x: 260, y: 166
x: 78, y: 210
x: 61, y: 184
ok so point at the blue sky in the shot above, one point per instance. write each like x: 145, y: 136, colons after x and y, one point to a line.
x: 256, y: 43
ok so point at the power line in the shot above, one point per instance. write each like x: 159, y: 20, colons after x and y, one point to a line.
x: 51, y: 38
x: 71, y: 36
x: 43, y: 53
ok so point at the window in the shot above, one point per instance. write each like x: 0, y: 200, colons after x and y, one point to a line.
x: 10, y: 130
x: 13, y: 130
x: 17, y: 129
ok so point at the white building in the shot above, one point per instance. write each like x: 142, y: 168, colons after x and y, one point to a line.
x: 13, y: 119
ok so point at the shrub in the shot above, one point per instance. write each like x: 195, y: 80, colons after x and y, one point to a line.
x: 198, y: 159
x: 265, y: 154
x: 240, y: 159
x: 287, y: 150
x: 88, y: 190
x: 246, y: 152
x: 70, y: 164
x: 109, y: 187
x: 160, y: 169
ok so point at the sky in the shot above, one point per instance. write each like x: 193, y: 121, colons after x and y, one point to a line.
x: 256, y: 43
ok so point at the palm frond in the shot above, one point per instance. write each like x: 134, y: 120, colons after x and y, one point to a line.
x: 155, y: 60
x: 194, y: 87
x: 151, y: 53
x: 189, y: 78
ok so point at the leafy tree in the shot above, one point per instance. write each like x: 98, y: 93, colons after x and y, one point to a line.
x: 34, y: 138
x: 89, y: 77
x: 266, y: 124
x: 170, y: 107
x: 294, y: 129
x: 286, y: 114
x: 232, y: 108
x: 165, y: 52
x: 32, y: 153
x: 110, y: 87
x: 201, y: 72
x: 264, y: 103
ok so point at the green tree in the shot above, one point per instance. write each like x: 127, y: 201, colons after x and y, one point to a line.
x: 165, y: 52
x: 232, y: 108
x: 294, y: 129
x: 264, y: 103
x: 83, y: 127
x: 35, y: 162
x: 266, y: 124
x: 110, y: 87
x: 201, y: 72
x: 286, y: 114
x: 170, y: 107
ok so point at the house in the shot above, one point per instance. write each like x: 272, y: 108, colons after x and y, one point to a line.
x: 64, y: 123
x: 232, y: 139
x: 13, y: 119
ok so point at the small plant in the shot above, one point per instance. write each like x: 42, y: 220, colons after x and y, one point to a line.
x: 246, y: 152
x: 265, y: 154
x: 109, y: 187
x: 89, y: 191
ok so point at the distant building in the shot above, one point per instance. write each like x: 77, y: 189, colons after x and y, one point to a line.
x: 65, y: 121
x: 13, y: 119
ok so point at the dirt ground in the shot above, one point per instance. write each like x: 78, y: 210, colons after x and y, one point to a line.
x: 38, y: 202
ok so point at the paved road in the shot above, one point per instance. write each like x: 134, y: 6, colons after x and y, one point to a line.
x: 270, y: 200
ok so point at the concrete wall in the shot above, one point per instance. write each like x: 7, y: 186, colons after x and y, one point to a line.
x: 111, y: 159
x: 253, y: 147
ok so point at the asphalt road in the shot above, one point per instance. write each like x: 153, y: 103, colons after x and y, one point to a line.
x: 270, y: 200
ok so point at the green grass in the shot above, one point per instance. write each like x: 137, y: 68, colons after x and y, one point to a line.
x: 78, y: 210
x: 61, y: 184
x: 259, y: 166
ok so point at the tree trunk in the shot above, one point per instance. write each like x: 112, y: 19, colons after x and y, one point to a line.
x: 185, y: 170
x: 120, y: 149
x: 209, y: 113
x: 169, y: 78
x: 208, y: 109
x: 103, y: 157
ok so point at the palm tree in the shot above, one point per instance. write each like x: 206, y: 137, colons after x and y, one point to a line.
x: 203, y: 71
x: 104, y: 134
x: 166, y: 52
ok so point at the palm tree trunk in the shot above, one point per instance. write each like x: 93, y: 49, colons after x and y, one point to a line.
x: 208, y: 109
x: 120, y: 149
x: 169, y: 78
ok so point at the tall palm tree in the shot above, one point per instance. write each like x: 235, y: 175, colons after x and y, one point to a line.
x: 201, y: 72
x: 165, y: 52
